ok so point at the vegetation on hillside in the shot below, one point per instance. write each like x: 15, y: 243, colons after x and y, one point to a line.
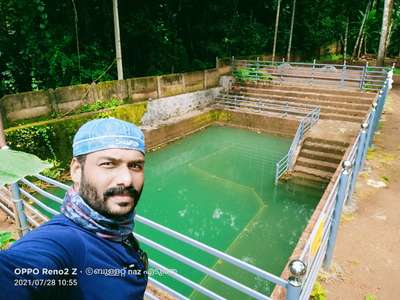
x: 46, y: 44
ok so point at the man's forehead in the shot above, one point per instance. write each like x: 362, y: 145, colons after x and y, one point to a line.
x: 117, y: 154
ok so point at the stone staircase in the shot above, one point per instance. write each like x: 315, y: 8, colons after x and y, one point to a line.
x: 322, y: 150
x: 318, y: 159
x: 340, y: 105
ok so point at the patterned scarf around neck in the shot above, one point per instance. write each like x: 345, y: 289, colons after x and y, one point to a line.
x: 76, y: 209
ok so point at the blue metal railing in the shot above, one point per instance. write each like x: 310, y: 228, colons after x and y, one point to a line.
x: 261, y: 105
x: 366, y: 78
x: 28, y: 214
x: 318, y: 247
x: 286, y: 162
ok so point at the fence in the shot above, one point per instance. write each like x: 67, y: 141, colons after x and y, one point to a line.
x: 286, y: 162
x: 257, y: 105
x: 318, y: 247
x: 366, y: 78
x: 27, y: 215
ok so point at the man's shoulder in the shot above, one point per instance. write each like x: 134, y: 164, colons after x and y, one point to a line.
x: 59, y: 226
x: 59, y: 230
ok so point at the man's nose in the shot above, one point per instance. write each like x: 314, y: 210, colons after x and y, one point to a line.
x: 124, y: 177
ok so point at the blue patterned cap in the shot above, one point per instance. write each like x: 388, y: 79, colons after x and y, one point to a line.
x: 101, y: 134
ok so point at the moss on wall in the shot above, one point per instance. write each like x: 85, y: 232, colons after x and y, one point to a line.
x: 53, y: 139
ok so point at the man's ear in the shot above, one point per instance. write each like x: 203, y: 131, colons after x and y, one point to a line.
x: 76, y: 172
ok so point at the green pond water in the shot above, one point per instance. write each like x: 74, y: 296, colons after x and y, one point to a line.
x: 217, y: 186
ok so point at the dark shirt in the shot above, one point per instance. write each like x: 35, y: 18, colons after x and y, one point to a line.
x: 62, y: 260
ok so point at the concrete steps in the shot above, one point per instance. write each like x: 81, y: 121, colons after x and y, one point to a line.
x: 303, y: 88
x: 311, y: 174
x: 306, y: 94
x: 305, y: 101
x: 319, y: 158
x: 304, y: 97
x: 318, y: 155
x: 324, y: 148
x: 339, y: 104
x: 319, y: 164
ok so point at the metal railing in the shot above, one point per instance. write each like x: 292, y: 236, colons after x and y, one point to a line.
x: 30, y: 215
x: 366, y: 78
x: 257, y: 105
x: 318, y: 249
x: 286, y: 162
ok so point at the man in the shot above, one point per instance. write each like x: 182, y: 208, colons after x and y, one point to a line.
x: 88, y: 251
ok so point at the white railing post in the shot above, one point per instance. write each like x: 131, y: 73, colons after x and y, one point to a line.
x: 20, y: 216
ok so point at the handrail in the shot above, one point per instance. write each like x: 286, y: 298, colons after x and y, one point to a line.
x: 366, y: 78
x: 320, y: 242
x: 286, y: 162
x: 341, y: 189
x: 207, y: 249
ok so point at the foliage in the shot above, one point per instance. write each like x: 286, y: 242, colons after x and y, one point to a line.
x: 331, y: 58
x: 55, y: 171
x: 251, y: 74
x: 5, y: 239
x: 52, y: 140
x: 40, y: 49
x: 370, y: 297
x: 318, y: 292
x: 33, y: 139
x: 98, y: 105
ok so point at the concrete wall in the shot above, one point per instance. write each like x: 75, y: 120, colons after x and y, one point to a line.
x: 162, y: 135
x: 65, y: 99
x: 269, y: 124
x: 175, y: 106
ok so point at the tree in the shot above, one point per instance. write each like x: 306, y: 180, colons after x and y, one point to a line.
x: 358, y: 43
x: 384, y: 32
x: 278, y: 10
x: 291, y: 30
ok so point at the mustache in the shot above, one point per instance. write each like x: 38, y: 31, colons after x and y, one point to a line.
x: 121, y: 191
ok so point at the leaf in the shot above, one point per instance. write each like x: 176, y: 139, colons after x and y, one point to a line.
x: 5, y: 236
x: 16, y: 165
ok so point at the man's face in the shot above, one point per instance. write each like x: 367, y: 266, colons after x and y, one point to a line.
x: 110, y: 181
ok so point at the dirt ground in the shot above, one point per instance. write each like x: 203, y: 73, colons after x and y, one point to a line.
x: 366, y: 262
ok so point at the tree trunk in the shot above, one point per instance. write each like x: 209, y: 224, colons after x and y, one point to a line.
x: 360, y: 33
x: 384, y: 31
x: 276, y: 29
x: 360, y: 47
x: 77, y: 39
x: 2, y: 134
x: 389, y: 35
x: 345, y: 40
x: 291, y: 30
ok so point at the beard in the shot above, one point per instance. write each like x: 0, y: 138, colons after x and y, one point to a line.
x: 98, y: 202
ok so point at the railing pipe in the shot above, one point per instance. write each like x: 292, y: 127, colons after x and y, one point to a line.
x: 237, y: 262
x: 19, y: 210
x: 186, y: 281
x: 357, y: 162
x: 222, y: 278
x: 42, y: 192
x: 341, y: 195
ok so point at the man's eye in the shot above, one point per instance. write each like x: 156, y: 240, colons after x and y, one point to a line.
x: 106, y: 164
x: 137, y: 167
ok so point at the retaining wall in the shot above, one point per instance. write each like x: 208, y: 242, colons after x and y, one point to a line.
x: 66, y: 99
